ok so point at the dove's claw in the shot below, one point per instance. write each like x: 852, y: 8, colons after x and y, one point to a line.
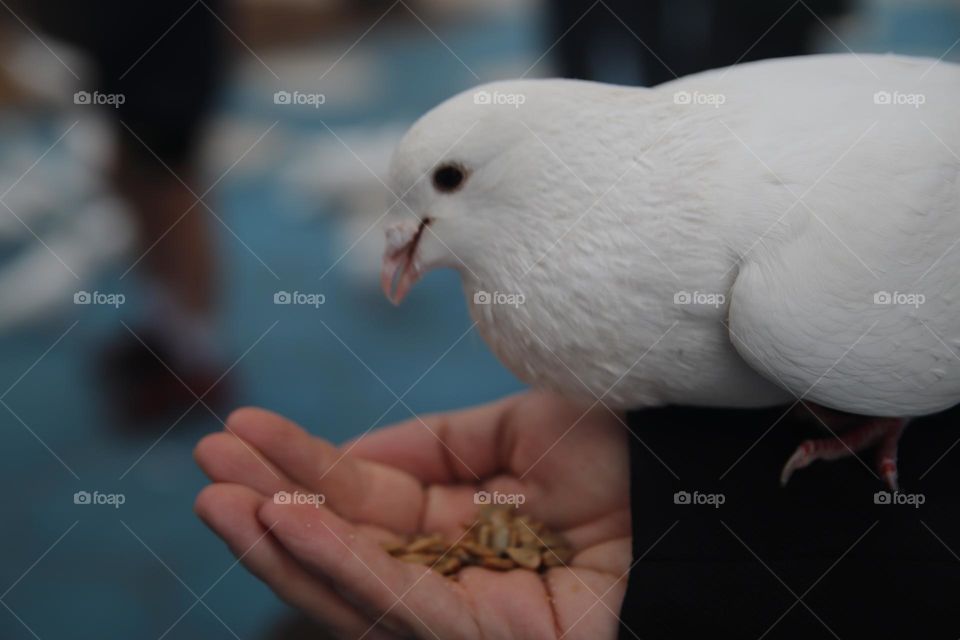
x: 886, y: 431
x: 800, y: 458
x: 887, y: 455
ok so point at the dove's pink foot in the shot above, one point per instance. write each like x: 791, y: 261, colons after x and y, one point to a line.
x: 885, y: 431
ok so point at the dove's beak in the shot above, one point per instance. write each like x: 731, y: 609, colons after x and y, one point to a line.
x: 400, y: 269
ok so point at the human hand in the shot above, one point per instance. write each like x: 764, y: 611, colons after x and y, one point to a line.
x: 421, y: 476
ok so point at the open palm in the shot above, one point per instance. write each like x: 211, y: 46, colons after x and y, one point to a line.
x: 421, y: 476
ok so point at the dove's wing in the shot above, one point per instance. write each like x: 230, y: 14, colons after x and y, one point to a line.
x: 857, y: 305
x: 807, y: 321
x: 851, y: 299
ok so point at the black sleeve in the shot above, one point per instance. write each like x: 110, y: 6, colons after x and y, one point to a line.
x: 720, y: 548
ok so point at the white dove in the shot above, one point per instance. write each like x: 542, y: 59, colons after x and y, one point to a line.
x: 771, y: 232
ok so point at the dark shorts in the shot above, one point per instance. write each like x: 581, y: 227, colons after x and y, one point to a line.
x: 164, y: 57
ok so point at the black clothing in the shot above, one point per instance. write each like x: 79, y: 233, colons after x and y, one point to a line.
x: 862, y: 569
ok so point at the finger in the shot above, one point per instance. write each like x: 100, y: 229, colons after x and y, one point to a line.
x: 586, y: 603
x: 612, y: 557
x: 358, y: 490
x: 510, y: 604
x: 443, y: 448
x: 414, y: 597
x: 226, y: 458
x: 612, y: 525
x: 231, y: 511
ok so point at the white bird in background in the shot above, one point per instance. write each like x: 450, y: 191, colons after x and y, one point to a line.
x: 742, y: 237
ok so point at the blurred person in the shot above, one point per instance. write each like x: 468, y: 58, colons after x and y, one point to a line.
x: 164, y: 58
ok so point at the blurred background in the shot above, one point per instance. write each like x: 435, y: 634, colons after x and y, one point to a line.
x: 191, y: 201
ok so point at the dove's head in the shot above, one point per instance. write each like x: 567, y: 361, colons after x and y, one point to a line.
x: 480, y: 180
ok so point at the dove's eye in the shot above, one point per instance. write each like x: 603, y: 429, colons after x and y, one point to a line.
x: 448, y: 178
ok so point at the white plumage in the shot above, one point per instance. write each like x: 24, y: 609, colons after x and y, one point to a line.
x: 786, y: 197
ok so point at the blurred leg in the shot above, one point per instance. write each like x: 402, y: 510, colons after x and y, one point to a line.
x: 175, y: 238
x: 168, y: 91
x: 163, y: 58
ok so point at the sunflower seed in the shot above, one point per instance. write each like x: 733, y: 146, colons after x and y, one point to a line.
x: 433, y: 543
x: 501, y: 538
x: 528, y: 558
x: 475, y: 548
x: 483, y: 537
x: 557, y: 556
x: 393, y: 547
x: 500, y: 564
x: 419, y: 558
x: 447, y: 565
